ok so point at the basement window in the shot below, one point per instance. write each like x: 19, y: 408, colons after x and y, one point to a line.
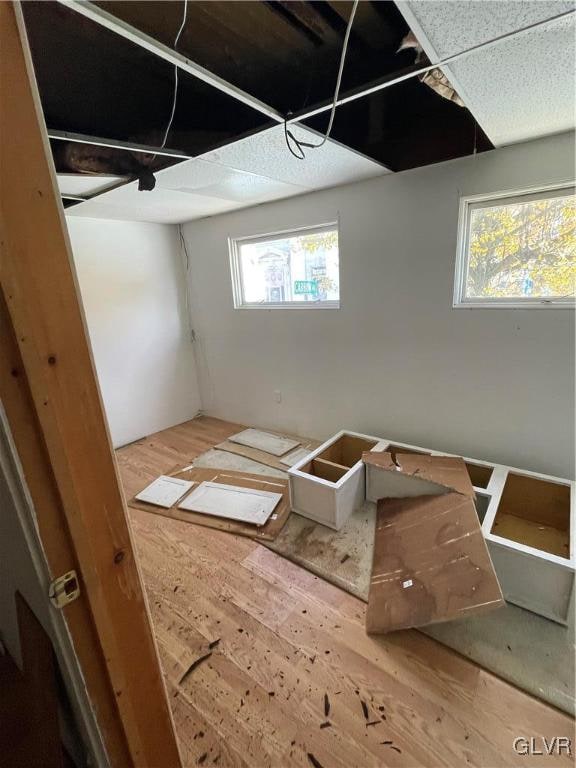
x: 517, y: 249
x: 287, y: 270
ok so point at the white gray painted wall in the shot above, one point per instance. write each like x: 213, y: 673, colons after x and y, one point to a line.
x: 133, y: 286
x: 396, y: 360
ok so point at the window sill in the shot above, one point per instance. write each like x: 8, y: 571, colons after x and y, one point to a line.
x: 292, y: 305
x: 506, y: 304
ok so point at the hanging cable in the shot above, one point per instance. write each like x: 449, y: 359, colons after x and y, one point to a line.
x: 289, y: 136
x: 175, y: 97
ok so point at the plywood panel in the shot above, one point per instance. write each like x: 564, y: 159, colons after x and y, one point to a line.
x: 479, y: 474
x: 430, y: 563
x: 546, y: 538
x: 347, y: 450
x: 537, y: 500
x: 411, y: 471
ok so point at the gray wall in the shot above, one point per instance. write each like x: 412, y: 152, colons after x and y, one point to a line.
x: 131, y: 277
x: 396, y: 360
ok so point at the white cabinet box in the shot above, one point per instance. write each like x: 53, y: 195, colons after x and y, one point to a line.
x: 329, y: 484
x: 528, y: 521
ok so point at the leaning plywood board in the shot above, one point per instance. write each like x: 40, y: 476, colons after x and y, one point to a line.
x: 431, y: 563
x: 232, y: 501
x: 267, y: 532
x: 264, y: 441
x: 529, y: 524
x: 410, y: 474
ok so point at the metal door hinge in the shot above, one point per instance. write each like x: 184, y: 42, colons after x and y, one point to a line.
x: 64, y: 589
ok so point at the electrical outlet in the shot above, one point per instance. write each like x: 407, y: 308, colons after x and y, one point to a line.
x: 277, y: 395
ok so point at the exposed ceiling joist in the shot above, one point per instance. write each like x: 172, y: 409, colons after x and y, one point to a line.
x: 80, y: 138
x: 113, y: 23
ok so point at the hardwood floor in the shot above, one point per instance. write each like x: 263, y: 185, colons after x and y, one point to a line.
x: 289, y: 676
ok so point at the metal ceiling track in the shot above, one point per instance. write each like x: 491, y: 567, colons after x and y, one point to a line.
x: 113, y: 23
x: 388, y: 81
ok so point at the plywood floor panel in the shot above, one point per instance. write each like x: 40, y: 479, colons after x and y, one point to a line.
x: 258, y: 700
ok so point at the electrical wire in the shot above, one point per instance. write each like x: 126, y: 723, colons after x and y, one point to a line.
x: 288, y: 135
x: 176, y: 68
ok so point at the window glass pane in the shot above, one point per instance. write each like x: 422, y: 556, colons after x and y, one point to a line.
x: 522, y: 249
x: 291, y: 268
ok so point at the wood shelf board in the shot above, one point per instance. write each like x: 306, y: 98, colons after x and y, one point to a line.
x: 545, y: 538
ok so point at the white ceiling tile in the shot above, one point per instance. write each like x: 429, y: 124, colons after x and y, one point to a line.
x: 162, y: 206
x: 79, y: 185
x: 518, y: 89
x: 266, y: 154
x: 523, y: 88
x: 252, y: 171
x: 214, y: 180
x: 452, y: 26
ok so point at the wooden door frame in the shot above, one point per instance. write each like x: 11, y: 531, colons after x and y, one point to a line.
x: 54, y: 410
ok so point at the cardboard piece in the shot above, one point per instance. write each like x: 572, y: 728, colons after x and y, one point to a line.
x: 431, y: 562
x: 295, y: 456
x: 268, y: 442
x: 261, y: 456
x: 267, y: 532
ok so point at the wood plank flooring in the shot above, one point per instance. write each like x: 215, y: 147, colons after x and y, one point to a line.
x: 285, y: 673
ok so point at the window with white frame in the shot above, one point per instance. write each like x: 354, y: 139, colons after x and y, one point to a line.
x: 517, y: 249
x: 299, y: 268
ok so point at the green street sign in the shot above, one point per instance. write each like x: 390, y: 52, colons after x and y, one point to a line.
x: 305, y: 286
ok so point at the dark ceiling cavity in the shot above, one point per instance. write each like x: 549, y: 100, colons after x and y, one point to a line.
x: 286, y: 54
x: 406, y: 126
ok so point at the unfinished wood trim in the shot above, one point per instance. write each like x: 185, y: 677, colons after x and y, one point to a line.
x: 55, y: 536
x: 328, y: 470
x: 38, y: 281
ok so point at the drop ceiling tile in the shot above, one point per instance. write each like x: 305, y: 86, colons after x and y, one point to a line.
x: 79, y: 185
x: 252, y: 171
x: 162, y: 206
x: 446, y: 27
x: 267, y: 155
x: 192, y: 190
x: 518, y: 89
x: 525, y: 87
x: 218, y: 181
